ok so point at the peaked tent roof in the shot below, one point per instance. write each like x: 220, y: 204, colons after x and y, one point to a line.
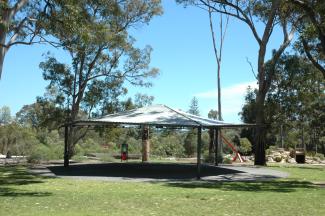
x: 157, y: 115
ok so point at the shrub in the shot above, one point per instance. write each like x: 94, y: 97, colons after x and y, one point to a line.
x: 320, y: 156
x: 38, y: 154
x: 227, y: 159
x: 245, y: 145
x: 79, y: 158
x: 190, y: 143
x: 106, y: 158
x: 90, y: 146
x: 208, y: 158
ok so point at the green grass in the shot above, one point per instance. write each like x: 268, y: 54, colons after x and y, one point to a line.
x: 303, y: 172
x: 25, y: 194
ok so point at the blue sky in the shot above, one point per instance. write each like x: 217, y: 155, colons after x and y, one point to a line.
x: 182, y: 50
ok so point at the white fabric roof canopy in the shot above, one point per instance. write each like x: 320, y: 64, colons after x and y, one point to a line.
x: 157, y: 115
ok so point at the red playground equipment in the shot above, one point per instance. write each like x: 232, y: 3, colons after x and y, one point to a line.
x: 237, y: 155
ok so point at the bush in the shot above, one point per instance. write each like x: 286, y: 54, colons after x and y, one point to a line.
x: 89, y: 146
x: 39, y: 153
x: 208, y: 158
x: 245, y: 146
x: 42, y: 153
x: 190, y: 143
x: 79, y: 158
x: 227, y: 159
x: 106, y: 158
x: 320, y: 156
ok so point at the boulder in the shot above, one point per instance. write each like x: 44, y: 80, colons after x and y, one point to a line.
x: 270, y: 159
x: 291, y: 160
x: 278, y: 158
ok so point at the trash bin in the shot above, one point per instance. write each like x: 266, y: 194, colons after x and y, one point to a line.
x: 124, y: 152
x: 300, y: 156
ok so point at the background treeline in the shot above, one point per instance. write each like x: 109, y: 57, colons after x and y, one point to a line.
x: 295, y: 111
x: 36, y: 133
x: 295, y: 106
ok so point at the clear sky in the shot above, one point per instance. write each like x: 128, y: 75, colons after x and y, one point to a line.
x: 182, y: 50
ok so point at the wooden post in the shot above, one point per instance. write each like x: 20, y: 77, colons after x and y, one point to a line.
x: 66, y: 148
x: 215, y: 141
x: 145, y: 143
x: 219, y: 145
x: 198, y: 164
x: 281, y: 134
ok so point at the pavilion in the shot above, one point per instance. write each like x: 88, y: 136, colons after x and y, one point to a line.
x: 159, y: 116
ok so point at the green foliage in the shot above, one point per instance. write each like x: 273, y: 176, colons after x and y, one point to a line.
x: 89, y: 145
x: 245, y: 146
x: 167, y: 146
x: 5, y: 116
x: 78, y: 158
x: 208, y: 158
x: 190, y: 142
x: 295, y: 101
x: 194, y: 107
x: 227, y: 159
x: 107, y: 158
x: 142, y: 100
x: 135, y: 145
x: 103, y: 57
x: 41, y: 153
x: 320, y: 156
x: 213, y: 114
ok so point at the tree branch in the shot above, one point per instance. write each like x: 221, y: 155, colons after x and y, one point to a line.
x: 311, y: 58
x: 18, y: 6
x: 252, y: 69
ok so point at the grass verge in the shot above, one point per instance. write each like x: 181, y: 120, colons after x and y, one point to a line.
x: 24, y: 194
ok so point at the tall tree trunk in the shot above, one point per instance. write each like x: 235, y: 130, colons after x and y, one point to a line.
x: 3, y: 33
x: 260, y: 133
x: 2, y: 58
x: 71, y: 149
x: 218, y: 56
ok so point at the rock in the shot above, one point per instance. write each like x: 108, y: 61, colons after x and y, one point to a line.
x: 278, y: 158
x: 270, y: 159
x: 281, y: 150
x: 291, y: 160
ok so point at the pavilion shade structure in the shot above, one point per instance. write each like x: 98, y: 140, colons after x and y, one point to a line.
x: 156, y: 115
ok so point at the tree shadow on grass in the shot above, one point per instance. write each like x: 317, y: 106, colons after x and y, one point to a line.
x: 261, y: 186
x: 13, y: 176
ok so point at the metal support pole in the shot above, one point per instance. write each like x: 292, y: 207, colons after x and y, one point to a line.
x: 198, y: 164
x: 66, y: 148
x: 215, y: 142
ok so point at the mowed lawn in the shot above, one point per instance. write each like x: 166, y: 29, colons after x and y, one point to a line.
x: 24, y: 194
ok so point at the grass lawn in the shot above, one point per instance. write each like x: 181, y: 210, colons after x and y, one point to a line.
x: 25, y: 194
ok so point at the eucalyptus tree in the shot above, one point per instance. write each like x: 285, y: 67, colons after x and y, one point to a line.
x: 272, y: 14
x: 20, y: 24
x: 296, y: 100
x: 312, y: 31
x: 103, y: 56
